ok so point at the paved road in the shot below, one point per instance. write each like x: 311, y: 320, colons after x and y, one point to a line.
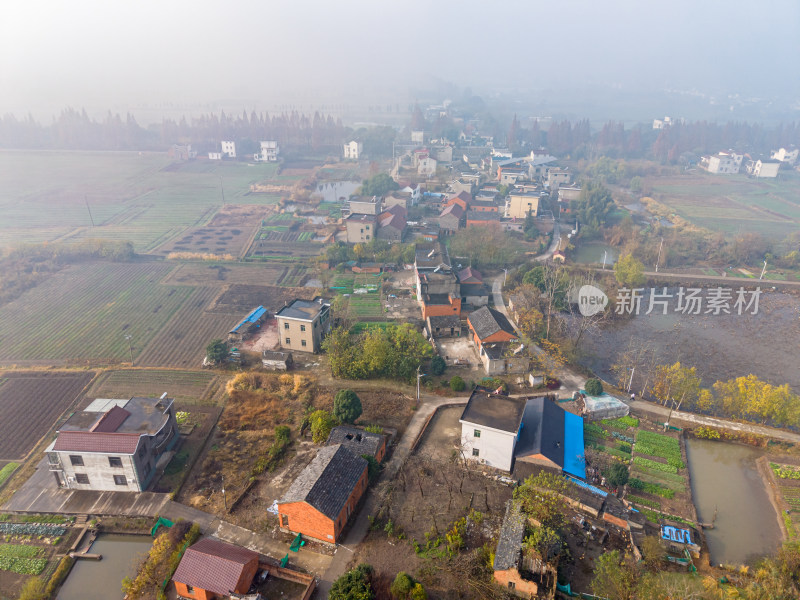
x: 553, y: 243
x: 731, y: 281
x: 360, y: 525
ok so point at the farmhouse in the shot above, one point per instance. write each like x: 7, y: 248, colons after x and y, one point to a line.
x: 723, y: 163
x: 280, y: 361
x: 247, y: 325
x: 228, y: 149
x: 213, y: 569
x: 303, y: 324
x: 359, y: 441
x: 437, y: 286
x: 365, y: 205
x: 522, y: 573
x: 499, y: 430
x: 763, y: 168
x: 443, y: 326
x: 322, y: 498
x: 269, y: 152
x: 488, y: 325
x: 352, y: 150
x: 462, y: 198
x: 451, y: 218
x: 520, y: 204
x: 392, y: 224
x: 113, y: 445
x: 360, y: 227
x: 504, y: 358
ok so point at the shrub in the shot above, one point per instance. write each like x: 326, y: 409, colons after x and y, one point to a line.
x: 59, y: 575
x: 402, y: 585
x: 373, y: 429
x: 438, y: 365
x: 617, y: 475
x: 354, y: 585
x: 321, y: 424
x: 707, y: 433
x: 457, y: 384
x: 347, y: 406
x: 593, y: 387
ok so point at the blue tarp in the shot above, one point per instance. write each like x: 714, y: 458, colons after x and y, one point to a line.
x: 586, y: 486
x: 574, y: 453
x: 251, y: 318
x: 673, y: 534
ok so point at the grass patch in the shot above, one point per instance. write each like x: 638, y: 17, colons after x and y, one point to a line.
x: 7, y: 471
x: 674, y: 482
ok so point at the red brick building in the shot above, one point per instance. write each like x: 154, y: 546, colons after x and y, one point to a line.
x: 213, y: 569
x: 320, y: 501
x: 490, y: 326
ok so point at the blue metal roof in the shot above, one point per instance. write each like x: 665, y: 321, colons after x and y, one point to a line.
x: 251, y: 318
x: 574, y: 453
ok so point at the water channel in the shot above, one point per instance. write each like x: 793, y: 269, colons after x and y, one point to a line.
x: 102, y: 580
x: 725, y: 480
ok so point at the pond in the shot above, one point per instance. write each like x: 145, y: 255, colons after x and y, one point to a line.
x: 336, y: 191
x: 725, y: 481
x: 592, y: 253
x: 102, y: 580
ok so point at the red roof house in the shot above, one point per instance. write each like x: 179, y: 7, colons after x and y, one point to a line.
x: 214, y: 569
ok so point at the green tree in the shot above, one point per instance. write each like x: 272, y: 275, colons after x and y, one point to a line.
x: 545, y: 541
x: 593, y: 387
x: 418, y: 592
x: 629, y: 271
x: 613, y: 577
x: 457, y: 384
x: 373, y: 466
x: 347, y: 406
x: 595, y: 205
x: 379, y: 185
x: 653, y: 551
x: 217, y: 350
x: 354, y: 585
x: 402, y: 585
x: 438, y: 365
x: 321, y: 424
x: 542, y: 498
x: 617, y: 474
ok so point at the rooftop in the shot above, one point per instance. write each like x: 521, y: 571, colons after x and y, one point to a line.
x: 429, y: 256
x: 445, y: 321
x: 486, y: 321
x: 503, y: 413
x: 253, y: 317
x: 274, y: 355
x: 470, y: 275
x: 549, y: 430
x: 328, y: 480
x: 483, y: 215
x: 136, y: 415
x: 303, y: 309
x: 361, y: 218
x: 214, y: 566
x: 355, y: 439
x: 511, y: 536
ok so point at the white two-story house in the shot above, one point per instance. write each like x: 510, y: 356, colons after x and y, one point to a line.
x: 113, y: 445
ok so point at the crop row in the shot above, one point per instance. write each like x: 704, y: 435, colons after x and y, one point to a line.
x: 24, y: 566
x: 673, y: 457
x: 32, y: 529
x: 785, y: 471
x: 676, y: 482
x: 625, y: 422
x: 612, y: 451
x: 594, y: 430
x: 656, y: 440
x: 656, y: 466
x: 790, y: 492
x: 622, y: 437
x: 649, y: 487
x: 644, y: 501
x: 19, y: 551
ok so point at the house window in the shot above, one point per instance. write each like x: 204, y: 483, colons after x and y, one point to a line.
x: 285, y: 519
x: 302, y: 327
x: 511, y: 585
x: 77, y: 461
x: 303, y: 343
x: 286, y: 326
x: 114, y: 461
x: 288, y: 341
x: 190, y: 589
x: 477, y: 433
x: 475, y: 452
x: 82, y: 478
x: 120, y: 480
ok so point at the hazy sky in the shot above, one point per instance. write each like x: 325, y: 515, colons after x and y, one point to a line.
x: 118, y: 53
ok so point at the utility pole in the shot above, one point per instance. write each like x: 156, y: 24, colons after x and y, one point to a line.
x: 224, y: 499
x: 505, y: 274
x: 605, y: 254
x: 630, y: 383
x: 222, y: 189
x: 418, y: 378
x: 86, y: 200
x: 658, y: 260
x: 130, y: 346
x: 764, y: 270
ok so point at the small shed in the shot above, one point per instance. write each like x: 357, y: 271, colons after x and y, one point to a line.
x: 604, y: 406
x: 248, y: 324
x: 280, y: 361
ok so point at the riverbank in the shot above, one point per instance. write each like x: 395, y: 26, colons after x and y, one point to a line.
x: 776, y: 499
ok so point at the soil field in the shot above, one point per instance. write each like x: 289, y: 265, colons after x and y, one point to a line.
x: 210, y: 239
x: 734, y: 203
x: 86, y: 311
x: 142, y: 197
x: 182, y: 340
x: 30, y: 403
x: 283, y: 250
x: 239, y: 215
x: 218, y: 274
x: 244, y: 298
x: 193, y: 387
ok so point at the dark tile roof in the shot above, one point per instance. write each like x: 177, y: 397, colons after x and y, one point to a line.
x: 273, y: 355
x: 470, y: 275
x: 503, y: 413
x: 302, y: 309
x: 214, y: 566
x: 512, y: 533
x: 454, y: 209
x: 111, y: 420
x: 437, y: 299
x: 93, y: 441
x: 328, y: 480
x: 486, y: 321
x: 355, y: 439
x: 542, y: 430
x: 482, y: 215
x: 474, y: 289
x: 445, y: 321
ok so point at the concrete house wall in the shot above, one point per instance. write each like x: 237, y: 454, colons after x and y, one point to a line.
x: 495, y: 448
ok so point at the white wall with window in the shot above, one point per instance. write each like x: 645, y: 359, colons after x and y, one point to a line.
x: 487, y: 445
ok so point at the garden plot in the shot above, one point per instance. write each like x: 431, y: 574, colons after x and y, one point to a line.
x: 220, y: 241
x: 196, y: 387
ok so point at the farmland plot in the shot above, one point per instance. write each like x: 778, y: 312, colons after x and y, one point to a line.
x: 182, y: 341
x: 183, y: 386
x: 30, y: 403
x: 244, y: 298
x: 86, y: 312
x: 219, y: 274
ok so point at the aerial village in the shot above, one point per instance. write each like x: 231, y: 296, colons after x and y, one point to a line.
x: 395, y: 421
